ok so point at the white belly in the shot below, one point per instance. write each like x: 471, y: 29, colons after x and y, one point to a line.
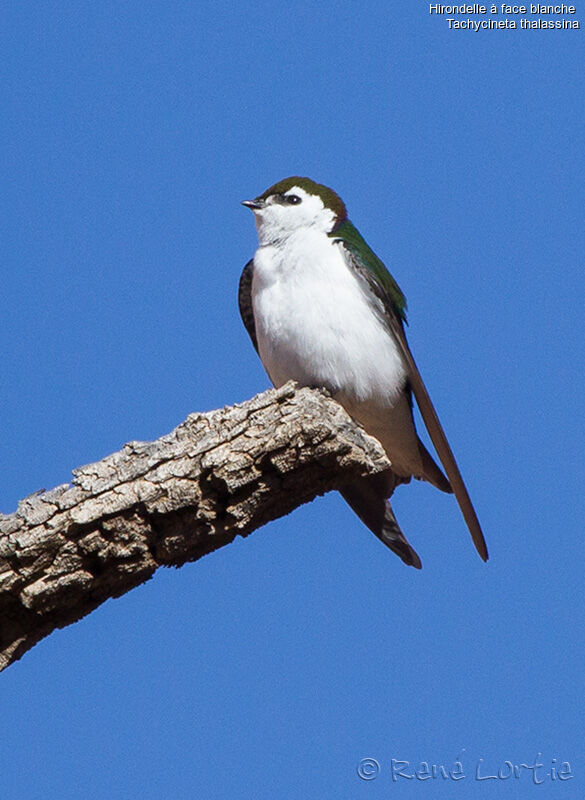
x: 316, y: 325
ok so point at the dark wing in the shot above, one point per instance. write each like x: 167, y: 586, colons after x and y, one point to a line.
x: 386, y: 290
x: 439, y: 440
x: 245, y: 301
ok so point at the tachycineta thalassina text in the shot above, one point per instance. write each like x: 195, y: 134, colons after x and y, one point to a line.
x: 323, y: 310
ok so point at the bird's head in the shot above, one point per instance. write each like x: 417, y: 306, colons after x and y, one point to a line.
x: 293, y: 204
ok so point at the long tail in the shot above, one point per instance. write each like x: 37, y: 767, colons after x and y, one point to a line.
x: 367, y: 497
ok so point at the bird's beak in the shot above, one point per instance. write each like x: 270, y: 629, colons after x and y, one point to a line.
x: 253, y: 204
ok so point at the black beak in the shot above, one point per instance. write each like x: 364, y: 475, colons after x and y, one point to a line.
x: 253, y: 204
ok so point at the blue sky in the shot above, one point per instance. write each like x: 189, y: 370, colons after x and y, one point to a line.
x: 131, y: 133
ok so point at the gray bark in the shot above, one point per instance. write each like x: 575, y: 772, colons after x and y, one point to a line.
x: 217, y: 475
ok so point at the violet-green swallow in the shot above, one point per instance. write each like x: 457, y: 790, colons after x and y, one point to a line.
x: 323, y: 310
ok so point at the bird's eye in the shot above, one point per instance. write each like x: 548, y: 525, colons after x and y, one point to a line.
x: 293, y: 199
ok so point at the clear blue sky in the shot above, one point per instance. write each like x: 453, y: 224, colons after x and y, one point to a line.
x: 131, y: 132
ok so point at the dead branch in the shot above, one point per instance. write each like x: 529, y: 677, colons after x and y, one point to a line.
x: 217, y: 475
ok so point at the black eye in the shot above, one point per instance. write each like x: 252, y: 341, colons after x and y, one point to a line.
x: 293, y: 199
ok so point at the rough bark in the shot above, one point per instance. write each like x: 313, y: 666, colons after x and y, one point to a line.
x: 217, y: 475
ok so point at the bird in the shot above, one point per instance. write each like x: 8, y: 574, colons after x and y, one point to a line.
x: 322, y: 309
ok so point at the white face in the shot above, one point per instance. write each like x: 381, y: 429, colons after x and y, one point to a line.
x: 283, y: 214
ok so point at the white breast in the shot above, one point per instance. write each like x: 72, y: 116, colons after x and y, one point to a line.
x: 316, y: 325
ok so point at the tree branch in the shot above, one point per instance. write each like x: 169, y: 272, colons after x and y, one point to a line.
x: 217, y: 475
